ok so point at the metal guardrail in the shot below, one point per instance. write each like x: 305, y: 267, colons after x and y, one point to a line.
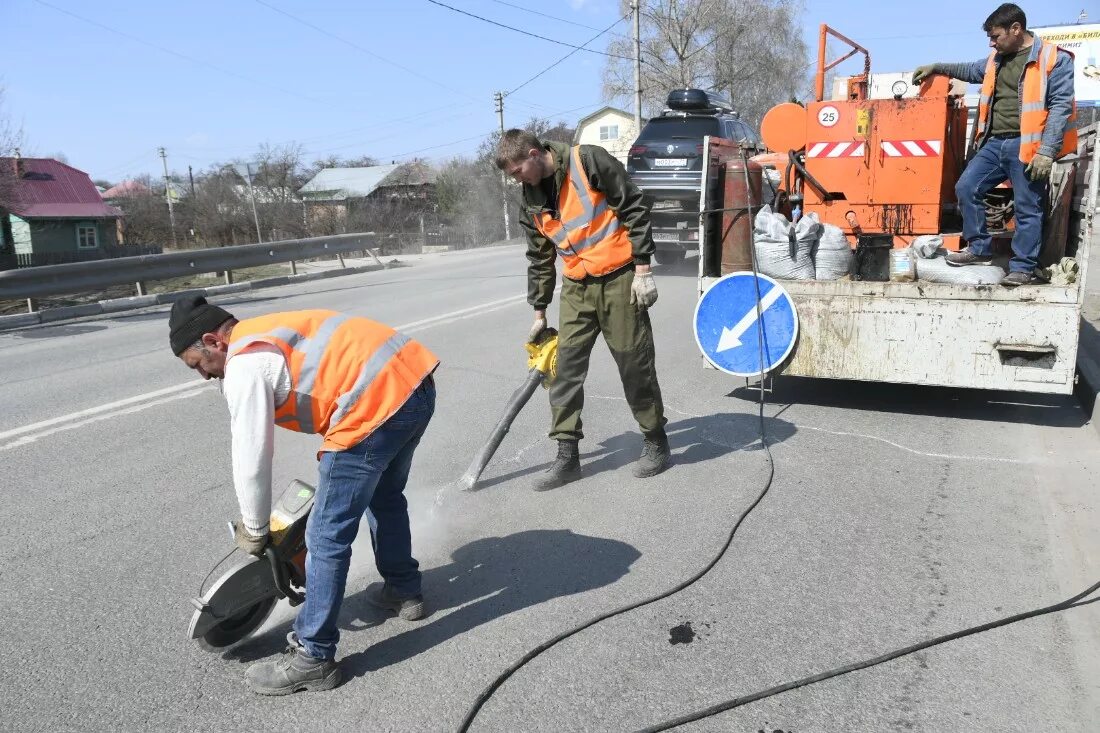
x: 35, y: 282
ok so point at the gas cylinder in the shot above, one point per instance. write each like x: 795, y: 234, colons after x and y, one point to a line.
x: 741, y: 199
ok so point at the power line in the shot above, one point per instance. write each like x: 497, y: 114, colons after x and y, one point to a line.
x: 357, y: 47
x: 563, y: 58
x: 121, y: 167
x: 329, y: 136
x: 526, y: 33
x: 392, y: 156
x: 177, y: 54
x: 552, y: 17
x: 486, y: 134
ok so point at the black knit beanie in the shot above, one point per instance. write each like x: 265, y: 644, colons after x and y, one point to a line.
x: 191, y: 318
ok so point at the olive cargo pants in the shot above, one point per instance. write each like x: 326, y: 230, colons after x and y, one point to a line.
x: 588, y: 308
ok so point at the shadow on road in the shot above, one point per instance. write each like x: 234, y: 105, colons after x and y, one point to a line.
x: 688, y: 267
x: 908, y: 399
x: 486, y: 579
x: 692, y: 440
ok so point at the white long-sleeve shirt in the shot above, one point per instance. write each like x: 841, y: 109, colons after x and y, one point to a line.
x: 256, y: 382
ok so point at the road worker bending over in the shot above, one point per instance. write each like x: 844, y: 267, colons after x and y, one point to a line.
x: 368, y: 391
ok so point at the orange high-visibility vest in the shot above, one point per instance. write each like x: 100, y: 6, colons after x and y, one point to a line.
x: 1033, y: 112
x: 588, y: 236
x: 348, y: 375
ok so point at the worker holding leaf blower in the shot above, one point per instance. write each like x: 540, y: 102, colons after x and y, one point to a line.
x: 368, y: 390
x: 580, y: 205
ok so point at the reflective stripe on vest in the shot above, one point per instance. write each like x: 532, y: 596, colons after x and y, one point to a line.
x: 588, y: 237
x: 1032, y: 101
x: 342, y: 397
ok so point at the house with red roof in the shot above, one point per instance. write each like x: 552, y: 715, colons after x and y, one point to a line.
x: 53, y: 212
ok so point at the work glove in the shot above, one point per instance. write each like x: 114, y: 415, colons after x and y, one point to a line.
x: 250, y: 543
x: 643, y: 291
x: 922, y: 72
x: 1039, y: 168
x: 536, y: 328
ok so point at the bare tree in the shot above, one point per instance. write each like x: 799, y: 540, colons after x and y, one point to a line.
x: 11, y: 133
x: 468, y: 193
x: 751, y: 50
x: 11, y: 139
x: 145, y: 220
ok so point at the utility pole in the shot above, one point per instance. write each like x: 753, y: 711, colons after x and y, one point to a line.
x: 636, y: 6
x: 499, y: 98
x: 191, y: 177
x: 168, y: 196
x: 252, y: 195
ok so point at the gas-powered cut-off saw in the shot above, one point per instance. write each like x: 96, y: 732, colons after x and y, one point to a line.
x: 238, y: 602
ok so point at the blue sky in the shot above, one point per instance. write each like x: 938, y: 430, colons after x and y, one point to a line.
x: 394, y: 79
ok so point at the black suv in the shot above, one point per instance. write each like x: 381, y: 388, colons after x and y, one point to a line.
x: 666, y: 162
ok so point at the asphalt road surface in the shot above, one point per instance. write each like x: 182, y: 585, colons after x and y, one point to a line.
x: 896, y: 514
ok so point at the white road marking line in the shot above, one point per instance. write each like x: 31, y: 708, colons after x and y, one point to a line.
x: 30, y: 433
x: 110, y: 406
x: 951, y: 456
x: 799, y: 426
x: 30, y: 438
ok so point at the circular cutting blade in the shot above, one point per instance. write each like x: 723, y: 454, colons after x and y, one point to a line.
x: 235, y: 628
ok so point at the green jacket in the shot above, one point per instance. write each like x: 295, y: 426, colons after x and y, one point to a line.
x: 605, y: 174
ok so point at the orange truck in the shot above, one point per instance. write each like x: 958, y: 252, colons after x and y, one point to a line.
x: 884, y: 170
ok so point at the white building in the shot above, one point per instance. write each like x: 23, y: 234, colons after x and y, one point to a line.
x: 610, y: 128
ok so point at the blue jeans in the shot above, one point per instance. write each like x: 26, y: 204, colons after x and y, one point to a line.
x: 998, y: 160
x: 368, y: 477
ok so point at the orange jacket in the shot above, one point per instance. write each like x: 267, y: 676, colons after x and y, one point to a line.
x: 348, y: 375
x: 1033, y: 101
x: 588, y: 236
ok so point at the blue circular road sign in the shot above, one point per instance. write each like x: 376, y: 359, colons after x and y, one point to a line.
x: 728, y: 329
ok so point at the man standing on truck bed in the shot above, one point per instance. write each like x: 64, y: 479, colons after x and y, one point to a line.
x: 1026, y: 119
x: 579, y: 204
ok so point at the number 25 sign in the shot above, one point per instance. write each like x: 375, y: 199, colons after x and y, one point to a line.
x: 828, y: 116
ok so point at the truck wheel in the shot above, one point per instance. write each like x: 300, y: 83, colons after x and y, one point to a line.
x: 669, y: 256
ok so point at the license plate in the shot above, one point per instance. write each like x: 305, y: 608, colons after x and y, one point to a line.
x: 670, y: 162
x: 666, y: 237
x: 665, y: 206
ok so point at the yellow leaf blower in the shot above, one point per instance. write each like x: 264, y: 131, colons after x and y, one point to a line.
x: 542, y: 361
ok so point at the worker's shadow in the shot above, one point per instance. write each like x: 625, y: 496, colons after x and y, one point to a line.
x: 485, y: 580
x: 692, y: 440
x: 490, y: 578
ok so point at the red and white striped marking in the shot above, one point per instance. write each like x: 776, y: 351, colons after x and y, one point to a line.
x: 850, y: 149
x: 911, y: 148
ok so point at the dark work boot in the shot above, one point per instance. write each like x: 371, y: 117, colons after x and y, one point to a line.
x: 655, y: 456
x: 408, y: 607
x: 295, y: 671
x: 566, y: 467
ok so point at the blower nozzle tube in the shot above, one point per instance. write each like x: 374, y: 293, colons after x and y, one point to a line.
x: 515, y: 404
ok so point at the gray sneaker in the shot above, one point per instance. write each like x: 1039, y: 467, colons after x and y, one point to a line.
x: 295, y: 671
x: 1014, y: 279
x: 655, y: 457
x: 410, y: 608
x: 966, y: 257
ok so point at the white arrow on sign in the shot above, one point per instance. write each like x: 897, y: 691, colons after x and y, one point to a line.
x: 731, y: 337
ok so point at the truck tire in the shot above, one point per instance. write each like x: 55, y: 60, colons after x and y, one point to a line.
x: 669, y: 256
